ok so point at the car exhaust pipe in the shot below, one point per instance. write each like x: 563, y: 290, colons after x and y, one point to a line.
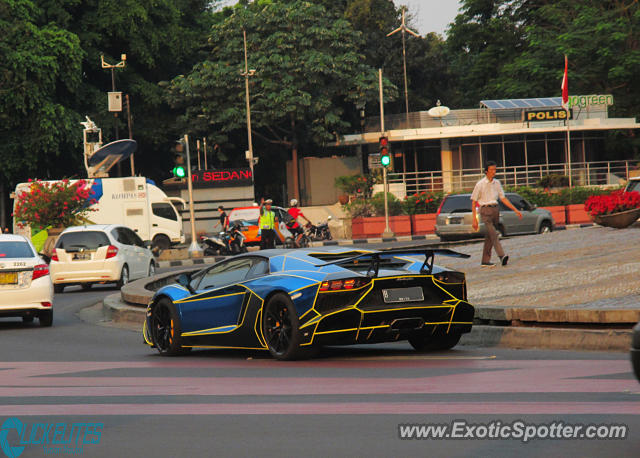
x: 406, y: 324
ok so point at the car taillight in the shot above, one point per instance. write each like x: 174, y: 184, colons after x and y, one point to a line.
x: 46, y: 304
x: 40, y: 270
x: 54, y: 255
x: 111, y: 251
x: 348, y: 283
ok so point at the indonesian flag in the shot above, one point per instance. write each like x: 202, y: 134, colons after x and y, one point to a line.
x: 565, y: 86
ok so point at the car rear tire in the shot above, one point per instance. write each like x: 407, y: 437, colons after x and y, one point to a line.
x: 428, y: 341
x: 58, y: 289
x: 165, y: 329
x: 281, y: 328
x: 86, y: 286
x: 545, y: 227
x: 289, y: 243
x: 46, y: 318
x: 124, y: 277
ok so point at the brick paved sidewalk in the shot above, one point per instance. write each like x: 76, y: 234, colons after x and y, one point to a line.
x: 595, y: 268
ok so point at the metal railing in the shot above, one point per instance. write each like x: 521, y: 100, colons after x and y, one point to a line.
x: 582, y: 174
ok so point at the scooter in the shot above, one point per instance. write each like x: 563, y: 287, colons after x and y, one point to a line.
x: 319, y: 232
x: 225, y: 243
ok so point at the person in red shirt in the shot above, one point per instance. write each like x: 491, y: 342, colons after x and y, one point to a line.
x: 294, y: 226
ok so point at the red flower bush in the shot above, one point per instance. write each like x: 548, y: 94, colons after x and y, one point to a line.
x: 55, y: 204
x: 615, y: 202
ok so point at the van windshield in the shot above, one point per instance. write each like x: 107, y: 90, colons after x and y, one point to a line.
x: 456, y: 204
x: 90, y: 240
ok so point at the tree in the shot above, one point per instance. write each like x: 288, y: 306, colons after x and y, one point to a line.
x: 40, y: 67
x: 307, y: 64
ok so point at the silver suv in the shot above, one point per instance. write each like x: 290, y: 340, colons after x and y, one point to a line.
x: 454, y: 218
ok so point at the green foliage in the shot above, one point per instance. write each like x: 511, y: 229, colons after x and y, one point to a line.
x: 553, y: 181
x: 355, y: 185
x: 359, y: 208
x: 424, y: 202
x: 307, y: 66
x: 395, y: 206
x: 565, y: 196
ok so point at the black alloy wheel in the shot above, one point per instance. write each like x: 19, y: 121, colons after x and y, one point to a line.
x: 165, y: 329
x: 280, y: 327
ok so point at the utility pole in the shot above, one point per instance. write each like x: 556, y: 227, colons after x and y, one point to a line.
x: 387, y: 231
x: 247, y: 73
x: 112, y: 67
x: 402, y: 29
x: 127, y: 101
x: 194, y: 249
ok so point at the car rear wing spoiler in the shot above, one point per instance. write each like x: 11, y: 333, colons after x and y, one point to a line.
x: 375, y: 257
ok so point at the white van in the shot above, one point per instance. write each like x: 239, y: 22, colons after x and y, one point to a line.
x: 134, y: 202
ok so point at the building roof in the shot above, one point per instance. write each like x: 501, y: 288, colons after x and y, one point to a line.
x: 510, y: 104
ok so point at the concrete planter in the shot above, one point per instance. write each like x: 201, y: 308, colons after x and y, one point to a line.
x: 423, y: 224
x: 373, y: 227
x: 618, y: 220
x: 576, y: 214
x: 559, y: 214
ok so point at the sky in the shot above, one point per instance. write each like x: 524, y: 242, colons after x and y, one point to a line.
x: 431, y: 15
x: 428, y: 15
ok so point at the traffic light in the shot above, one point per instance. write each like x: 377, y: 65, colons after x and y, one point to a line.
x: 179, y: 161
x: 385, y: 157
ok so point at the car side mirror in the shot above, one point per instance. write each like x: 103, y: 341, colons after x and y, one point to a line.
x: 147, y: 243
x: 185, y: 280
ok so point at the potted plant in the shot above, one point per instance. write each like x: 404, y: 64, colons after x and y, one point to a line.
x: 618, y: 209
x: 52, y: 207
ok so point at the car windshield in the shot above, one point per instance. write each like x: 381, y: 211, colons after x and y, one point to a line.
x: 15, y: 250
x: 456, y: 204
x: 87, y: 239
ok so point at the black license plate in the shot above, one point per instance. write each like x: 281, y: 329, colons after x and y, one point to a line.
x: 82, y: 256
x: 413, y: 294
x: 455, y: 220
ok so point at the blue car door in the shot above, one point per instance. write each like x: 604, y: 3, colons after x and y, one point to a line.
x: 218, y: 299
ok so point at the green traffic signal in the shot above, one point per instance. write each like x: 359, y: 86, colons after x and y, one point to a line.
x: 385, y: 160
x: 179, y: 171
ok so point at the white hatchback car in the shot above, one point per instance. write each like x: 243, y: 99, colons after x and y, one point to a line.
x: 25, y: 283
x: 101, y: 253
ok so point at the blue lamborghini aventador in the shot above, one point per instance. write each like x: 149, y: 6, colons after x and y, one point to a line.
x: 291, y: 302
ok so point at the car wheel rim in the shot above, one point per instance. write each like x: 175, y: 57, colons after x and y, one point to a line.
x: 163, y: 328
x: 125, y: 276
x: 278, y: 328
x: 152, y: 270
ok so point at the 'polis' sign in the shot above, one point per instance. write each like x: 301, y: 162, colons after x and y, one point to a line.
x: 548, y: 115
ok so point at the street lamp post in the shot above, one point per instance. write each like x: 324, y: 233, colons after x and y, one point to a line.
x: 247, y: 73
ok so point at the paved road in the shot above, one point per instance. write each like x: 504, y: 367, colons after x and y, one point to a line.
x: 348, y: 402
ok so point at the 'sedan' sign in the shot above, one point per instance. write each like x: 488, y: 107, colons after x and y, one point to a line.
x: 548, y: 115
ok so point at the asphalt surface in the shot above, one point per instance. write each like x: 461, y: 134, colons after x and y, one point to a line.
x: 349, y: 401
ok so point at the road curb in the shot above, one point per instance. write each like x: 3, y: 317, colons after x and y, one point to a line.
x: 548, y: 338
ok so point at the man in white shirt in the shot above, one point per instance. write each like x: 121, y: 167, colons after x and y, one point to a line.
x: 486, y: 194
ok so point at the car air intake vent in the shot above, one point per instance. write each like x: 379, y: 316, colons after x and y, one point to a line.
x: 328, y: 257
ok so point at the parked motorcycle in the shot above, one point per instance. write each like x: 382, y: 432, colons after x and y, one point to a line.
x: 225, y: 243
x: 319, y: 232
